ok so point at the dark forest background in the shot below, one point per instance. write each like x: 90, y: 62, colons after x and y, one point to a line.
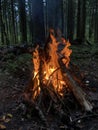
x: 28, y: 21
x: 23, y: 24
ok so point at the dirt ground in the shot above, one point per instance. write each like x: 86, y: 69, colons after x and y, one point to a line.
x: 12, y: 86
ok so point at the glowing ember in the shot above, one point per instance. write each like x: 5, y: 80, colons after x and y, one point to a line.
x: 48, y: 73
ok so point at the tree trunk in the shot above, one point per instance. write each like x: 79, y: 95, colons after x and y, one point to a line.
x: 81, y: 19
x: 45, y: 18
x: 64, y: 17
x: 4, y: 36
x: 70, y: 22
x: 96, y: 23
x: 91, y: 23
x: 22, y: 18
x: 30, y: 21
x: 13, y: 22
x: 38, y: 21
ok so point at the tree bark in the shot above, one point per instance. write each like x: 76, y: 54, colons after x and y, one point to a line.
x: 22, y: 18
x: 70, y: 21
x: 96, y: 22
x: 4, y: 36
x: 38, y: 21
x: 81, y: 19
x: 13, y: 22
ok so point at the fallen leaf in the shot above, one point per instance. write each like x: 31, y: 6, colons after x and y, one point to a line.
x: 9, y: 115
x: 7, y: 120
x: 2, y: 127
x: 3, y: 118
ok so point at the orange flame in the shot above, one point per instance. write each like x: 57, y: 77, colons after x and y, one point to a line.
x: 51, y: 72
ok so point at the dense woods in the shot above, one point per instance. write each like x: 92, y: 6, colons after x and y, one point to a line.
x: 28, y: 21
x: 53, y: 86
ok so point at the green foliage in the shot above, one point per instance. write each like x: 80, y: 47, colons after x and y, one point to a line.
x: 83, y: 54
x: 18, y: 65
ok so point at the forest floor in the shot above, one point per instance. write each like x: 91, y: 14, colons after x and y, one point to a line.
x: 14, y: 76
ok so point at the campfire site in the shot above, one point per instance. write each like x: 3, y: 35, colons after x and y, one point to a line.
x: 48, y: 65
x: 54, y: 93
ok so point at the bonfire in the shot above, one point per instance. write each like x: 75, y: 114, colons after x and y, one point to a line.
x: 52, y: 78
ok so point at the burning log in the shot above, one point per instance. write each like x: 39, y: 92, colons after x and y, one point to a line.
x: 78, y: 92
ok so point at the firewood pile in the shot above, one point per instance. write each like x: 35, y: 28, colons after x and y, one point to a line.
x: 54, y: 80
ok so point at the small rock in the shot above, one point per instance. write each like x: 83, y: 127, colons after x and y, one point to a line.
x: 87, y: 81
x: 79, y: 121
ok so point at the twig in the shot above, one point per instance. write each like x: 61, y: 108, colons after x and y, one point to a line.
x: 49, y: 107
x: 17, y: 89
x: 84, y: 116
x: 41, y: 114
